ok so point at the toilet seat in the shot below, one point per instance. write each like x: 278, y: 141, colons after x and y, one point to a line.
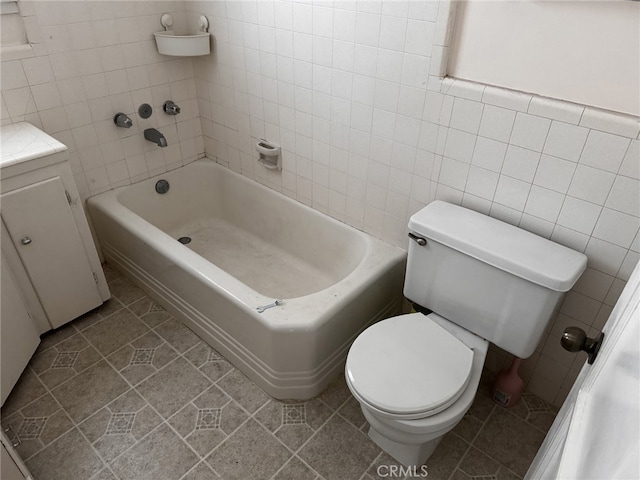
x: 408, y: 366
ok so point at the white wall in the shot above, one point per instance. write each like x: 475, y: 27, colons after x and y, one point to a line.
x: 584, y: 52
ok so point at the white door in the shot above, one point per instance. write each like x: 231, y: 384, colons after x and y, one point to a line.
x: 43, y: 230
x: 596, y: 434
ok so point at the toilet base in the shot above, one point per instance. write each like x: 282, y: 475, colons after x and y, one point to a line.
x: 409, y: 455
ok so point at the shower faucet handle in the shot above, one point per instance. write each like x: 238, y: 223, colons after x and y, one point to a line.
x: 122, y: 120
x: 170, y: 108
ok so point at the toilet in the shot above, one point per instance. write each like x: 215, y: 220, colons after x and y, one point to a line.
x: 416, y: 375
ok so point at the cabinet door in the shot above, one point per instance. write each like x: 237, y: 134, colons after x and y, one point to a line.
x: 43, y: 230
x: 18, y: 338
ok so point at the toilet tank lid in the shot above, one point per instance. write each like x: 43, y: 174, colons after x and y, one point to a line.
x: 500, y: 244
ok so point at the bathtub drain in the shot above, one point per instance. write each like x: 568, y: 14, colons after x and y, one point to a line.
x: 184, y: 240
x: 162, y: 186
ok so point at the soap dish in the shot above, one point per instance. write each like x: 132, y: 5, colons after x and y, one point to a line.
x: 183, y: 45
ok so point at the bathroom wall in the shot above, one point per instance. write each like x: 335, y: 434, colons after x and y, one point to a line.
x: 92, y: 59
x: 370, y: 134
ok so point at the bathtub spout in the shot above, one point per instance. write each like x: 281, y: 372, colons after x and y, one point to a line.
x: 155, y: 136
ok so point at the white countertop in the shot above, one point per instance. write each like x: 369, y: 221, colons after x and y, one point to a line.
x: 21, y: 142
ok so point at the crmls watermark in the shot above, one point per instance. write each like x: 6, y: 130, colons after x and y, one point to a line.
x: 400, y: 471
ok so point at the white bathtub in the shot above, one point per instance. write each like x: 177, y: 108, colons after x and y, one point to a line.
x: 250, y: 246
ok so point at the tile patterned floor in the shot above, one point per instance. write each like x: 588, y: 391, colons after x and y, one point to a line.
x: 126, y: 392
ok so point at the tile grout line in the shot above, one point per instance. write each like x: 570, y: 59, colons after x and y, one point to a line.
x: 472, y: 443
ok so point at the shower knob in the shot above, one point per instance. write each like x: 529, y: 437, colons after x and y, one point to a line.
x: 25, y: 240
x: 122, y: 120
x: 171, y: 108
x: 574, y: 339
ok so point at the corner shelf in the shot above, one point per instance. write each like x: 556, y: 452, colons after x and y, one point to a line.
x: 193, y: 45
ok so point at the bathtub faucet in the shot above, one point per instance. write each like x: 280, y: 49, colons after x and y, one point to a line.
x: 155, y: 136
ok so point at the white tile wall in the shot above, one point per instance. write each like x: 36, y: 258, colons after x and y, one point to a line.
x: 369, y: 132
x: 390, y: 137
x: 94, y: 59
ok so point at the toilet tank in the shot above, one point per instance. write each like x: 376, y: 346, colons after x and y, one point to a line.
x: 496, y: 280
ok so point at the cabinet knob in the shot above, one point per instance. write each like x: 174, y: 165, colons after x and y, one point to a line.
x: 25, y: 240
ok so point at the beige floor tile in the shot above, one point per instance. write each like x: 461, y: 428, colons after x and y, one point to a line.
x: 385, y: 466
x: 444, y: 460
x: 64, y: 360
x: 208, y: 361
x: 202, y: 471
x: 109, y: 307
x: 336, y: 394
x: 160, y: 455
x: 104, y: 474
x: 27, y: 389
x: 295, y: 469
x: 208, y: 420
x: 477, y: 464
x: 175, y: 385
x: 243, y: 390
x: 115, y: 331
x: 69, y: 457
x: 339, y: 451
x: 90, y: 390
x: 510, y: 440
x: 53, y: 337
x: 468, y: 427
x: 120, y: 425
x: 352, y: 412
x: 142, y: 358
x: 250, y: 452
x: 37, y: 425
x: 177, y: 335
x: 125, y: 291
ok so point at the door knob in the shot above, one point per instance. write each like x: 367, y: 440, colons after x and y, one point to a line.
x: 574, y: 339
x: 25, y: 240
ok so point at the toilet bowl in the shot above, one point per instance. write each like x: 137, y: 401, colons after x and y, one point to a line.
x: 416, y: 375
x: 400, y: 423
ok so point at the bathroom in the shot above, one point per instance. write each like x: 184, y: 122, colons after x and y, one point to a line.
x: 370, y: 133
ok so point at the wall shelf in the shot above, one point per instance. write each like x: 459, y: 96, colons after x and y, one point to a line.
x: 193, y: 45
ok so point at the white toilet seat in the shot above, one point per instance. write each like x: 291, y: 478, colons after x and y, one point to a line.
x: 408, y: 367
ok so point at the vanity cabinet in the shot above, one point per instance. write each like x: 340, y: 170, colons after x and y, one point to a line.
x: 46, y: 240
x: 42, y: 228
